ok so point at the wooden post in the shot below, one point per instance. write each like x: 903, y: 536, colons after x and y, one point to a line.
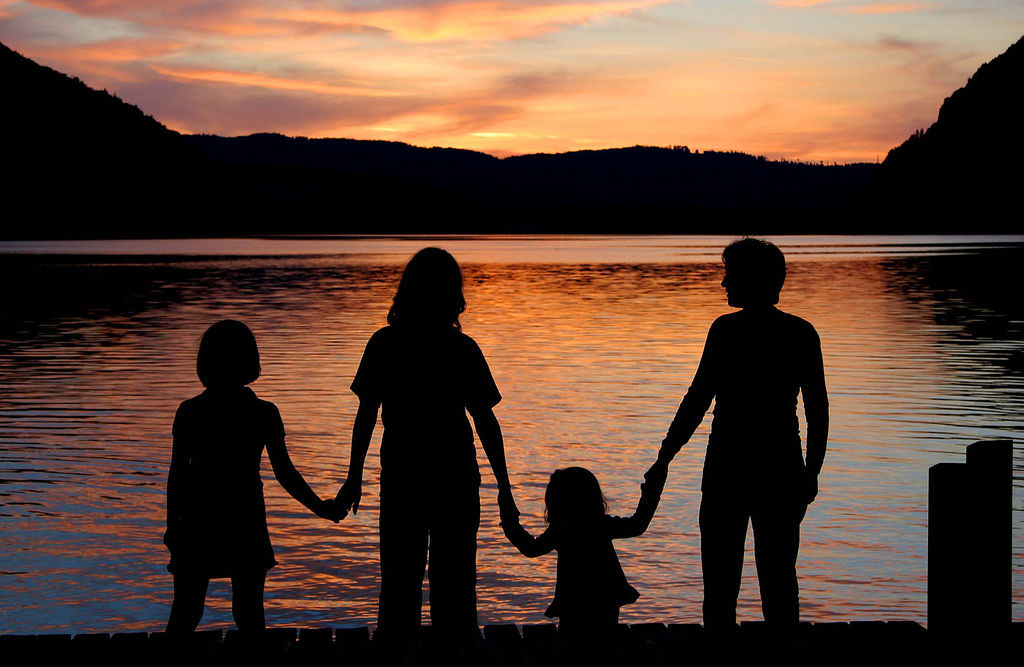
x: 969, y: 541
x: 990, y: 466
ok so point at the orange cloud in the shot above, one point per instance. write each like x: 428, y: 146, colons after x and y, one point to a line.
x: 455, y: 20
x: 473, y: 20
x: 890, y: 8
x: 274, y: 83
x: 799, y: 3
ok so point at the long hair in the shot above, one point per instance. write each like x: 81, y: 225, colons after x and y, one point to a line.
x: 228, y: 355
x: 573, y: 495
x: 430, y: 292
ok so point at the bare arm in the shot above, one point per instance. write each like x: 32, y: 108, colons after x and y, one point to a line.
x: 650, y: 496
x: 815, y: 397
x: 489, y: 430
x: 175, y: 491
x: 528, y: 545
x: 292, y: 480
x: 362, y: 432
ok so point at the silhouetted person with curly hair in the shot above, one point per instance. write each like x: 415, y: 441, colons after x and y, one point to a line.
x: 755, y: 363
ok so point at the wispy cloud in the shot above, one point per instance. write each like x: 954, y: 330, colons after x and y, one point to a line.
x: 890, y: 8
x: 440, y: 21
x: 799, y: 3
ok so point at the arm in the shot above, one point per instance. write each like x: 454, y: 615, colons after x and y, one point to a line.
x: 176, y: 483
x: 362, y: 431
x: 695, y: 403
x: 815, y: 397
x: 489, y: 430
x: 529, y: 546
x: 292, y: 480
x: 650, y: 496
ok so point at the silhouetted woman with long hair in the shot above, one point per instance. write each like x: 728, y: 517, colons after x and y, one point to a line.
x: 216, y: 516
x: 424, y: 374
x: 590, y: 585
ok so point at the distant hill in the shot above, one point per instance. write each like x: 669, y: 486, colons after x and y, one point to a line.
x: 72, y: 153
x: 88, y: 164
x: 335, y: 185
x: 968, y: 165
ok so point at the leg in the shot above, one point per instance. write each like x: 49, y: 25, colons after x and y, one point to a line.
x: 403, y: 560
x: 247, y: 601
x: 452, y: 570
x: 776, y: 546
x: 723, y: 531
x: 189, y: 602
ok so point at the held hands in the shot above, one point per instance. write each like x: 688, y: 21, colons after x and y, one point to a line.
x: 349, y: 495
x: 656, y: 475
x: 330, y: 510
x: 508, y: 512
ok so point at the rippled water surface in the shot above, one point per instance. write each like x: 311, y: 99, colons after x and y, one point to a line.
x: 592, y: 342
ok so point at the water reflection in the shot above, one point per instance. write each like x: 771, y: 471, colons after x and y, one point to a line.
x: 592, y: 343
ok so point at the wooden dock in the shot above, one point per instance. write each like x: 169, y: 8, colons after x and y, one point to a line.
x: 646, y: 644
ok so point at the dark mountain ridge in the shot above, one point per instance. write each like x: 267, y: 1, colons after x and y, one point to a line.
x: 89, y: 164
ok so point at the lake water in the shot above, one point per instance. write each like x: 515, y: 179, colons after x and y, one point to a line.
x: 592, y: 342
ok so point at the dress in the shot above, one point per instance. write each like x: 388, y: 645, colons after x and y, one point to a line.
x: 588, y: 575
x: 425, y: 380
x: 216, y: 515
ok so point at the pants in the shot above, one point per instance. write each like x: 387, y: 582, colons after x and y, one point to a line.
x: 439, y: 524
x: 723, y: 530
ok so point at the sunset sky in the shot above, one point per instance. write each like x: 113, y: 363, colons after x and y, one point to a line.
x: 832, y: 80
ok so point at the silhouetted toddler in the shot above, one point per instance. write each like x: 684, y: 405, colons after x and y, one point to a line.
x: 590, y: 586
x: 216, y: 516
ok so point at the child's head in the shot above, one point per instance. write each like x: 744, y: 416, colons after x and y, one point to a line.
x: 755, y: 271
x: 430, y: 292
x: 228, y: 355
x: 573, y: 494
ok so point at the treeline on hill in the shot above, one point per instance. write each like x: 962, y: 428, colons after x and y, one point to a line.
x: 85, y: 163
x: 967, y: 167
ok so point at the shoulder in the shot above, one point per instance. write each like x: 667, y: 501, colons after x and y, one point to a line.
x: 798, y: 325
x: 726, y: 322
x: 189, y: 406
x: 383, y: 335
x: 186, y: 412
x: 464, y: 340
x: 268, y: 415
x: 265, y: 407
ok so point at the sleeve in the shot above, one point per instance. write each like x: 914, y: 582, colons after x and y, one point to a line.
x: 274, y: 425
x: 369, y: 380
x: 480, y: 390
x: 698, y: 397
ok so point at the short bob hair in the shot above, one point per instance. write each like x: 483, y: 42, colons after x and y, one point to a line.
x: 758, y: 266
x: 430, y: 292
x: 228, y: 355
x: 573, y: 494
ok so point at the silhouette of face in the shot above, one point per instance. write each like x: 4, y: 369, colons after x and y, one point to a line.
x: 737, y: 287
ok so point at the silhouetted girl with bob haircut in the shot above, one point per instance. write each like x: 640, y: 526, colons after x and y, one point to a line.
x: 216, y: 516
x: 424, y: 374
x: 590, y: 586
